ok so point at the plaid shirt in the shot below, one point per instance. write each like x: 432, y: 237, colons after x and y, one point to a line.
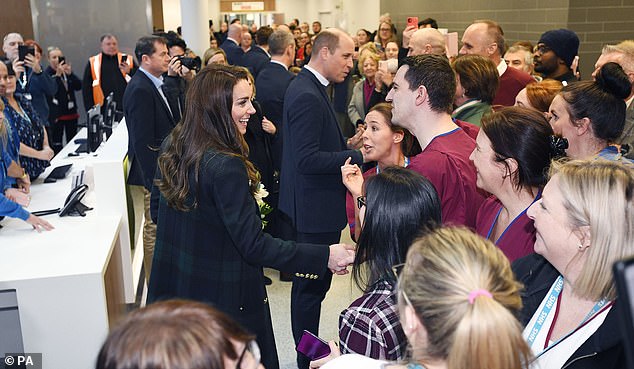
x: 371, y: 327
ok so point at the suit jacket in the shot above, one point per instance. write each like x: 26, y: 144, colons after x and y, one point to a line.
x: 234, y: 52
x: 149, y: 121
x: 215, y: 252
x: 255, y: 60
x: 311, y: 191
x: 271, y: 85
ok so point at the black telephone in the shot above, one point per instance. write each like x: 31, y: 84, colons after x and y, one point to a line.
x: 73, y: 205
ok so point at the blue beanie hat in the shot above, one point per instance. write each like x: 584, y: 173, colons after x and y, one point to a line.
x: 563, y: 42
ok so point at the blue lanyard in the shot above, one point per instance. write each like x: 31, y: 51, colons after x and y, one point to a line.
x: 553, y: 295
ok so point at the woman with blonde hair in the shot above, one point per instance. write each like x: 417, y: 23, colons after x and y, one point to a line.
x: 214, y: 56
x: 385, y: 34
x: 362, y: 91
x: 584, y: 222
x: 12, y: 199
x: 457, y: 299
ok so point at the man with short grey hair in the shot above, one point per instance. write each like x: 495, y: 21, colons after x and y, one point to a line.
x: 622, y: 54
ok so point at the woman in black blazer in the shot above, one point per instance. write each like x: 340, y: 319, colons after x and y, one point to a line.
x: 209, y: 243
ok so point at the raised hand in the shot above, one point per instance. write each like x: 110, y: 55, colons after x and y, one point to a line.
x: 352, y: 178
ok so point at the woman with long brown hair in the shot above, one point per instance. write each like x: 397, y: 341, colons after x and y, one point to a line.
x: 209, y: 241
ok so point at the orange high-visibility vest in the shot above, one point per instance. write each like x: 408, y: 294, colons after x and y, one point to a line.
x: 95, y: 68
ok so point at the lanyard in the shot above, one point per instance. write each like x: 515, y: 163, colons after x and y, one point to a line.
x: 553, y: 297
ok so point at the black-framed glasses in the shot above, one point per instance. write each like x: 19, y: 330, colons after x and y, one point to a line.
x: 397, y: 270
x: 542, y: 49
x: 361, y: 202
x: 254, y: 349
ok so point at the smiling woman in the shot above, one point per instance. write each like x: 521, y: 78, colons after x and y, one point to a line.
x: 584, y: 224
x: 209, y: 241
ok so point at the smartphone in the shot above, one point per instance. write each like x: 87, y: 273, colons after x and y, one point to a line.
x: 24, y: 50
x: 124, y: 58
x: 412, y: 21
x: 61, y: 60
x: 312, y: 346
x: 383, y: 65
x: 392, y: 65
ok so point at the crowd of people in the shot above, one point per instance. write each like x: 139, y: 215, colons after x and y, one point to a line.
x: 480, y: 188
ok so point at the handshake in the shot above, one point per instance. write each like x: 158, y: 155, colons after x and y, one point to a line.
x: 341, y: 255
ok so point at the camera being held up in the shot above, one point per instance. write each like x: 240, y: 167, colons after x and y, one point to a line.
x: 190, y: 63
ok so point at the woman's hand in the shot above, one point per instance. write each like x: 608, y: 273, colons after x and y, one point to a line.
x: 17, y: 196
x: 334, y: 353
x: 24, y: 183
x: 268, y: 126
x: 39, y: 223
x: 352, y: 178
x: 46, y: 153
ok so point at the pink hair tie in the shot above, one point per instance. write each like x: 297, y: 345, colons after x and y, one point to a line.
x: 475, y: 293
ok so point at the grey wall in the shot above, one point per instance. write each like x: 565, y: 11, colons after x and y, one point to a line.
x: 75, y: 26
x: 597, y: 22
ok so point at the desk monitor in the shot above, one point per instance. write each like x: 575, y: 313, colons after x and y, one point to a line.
x: 94, y: 123
x: 10, y: 328
x: 109, y: 112
x: 624, y: 278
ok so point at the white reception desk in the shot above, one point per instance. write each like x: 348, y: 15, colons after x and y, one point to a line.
x: 73, y: 282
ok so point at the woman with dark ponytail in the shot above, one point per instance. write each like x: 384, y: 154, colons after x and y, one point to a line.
x: 457, y: 300
x: 513, y: 152
x: 591, y: 114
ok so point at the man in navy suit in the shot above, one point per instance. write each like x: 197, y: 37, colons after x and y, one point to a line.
x: 258, y: 56
x: 311, y: 192
x: 149, y: 120
x: 231, y: 46
x: 271, y: 85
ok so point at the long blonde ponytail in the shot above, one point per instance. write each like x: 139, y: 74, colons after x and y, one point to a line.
x: 463, y: 291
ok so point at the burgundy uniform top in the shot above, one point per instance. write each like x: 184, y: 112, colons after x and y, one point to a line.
x: 445, y: 162
x: 518, y: 238
x: 511, y: 83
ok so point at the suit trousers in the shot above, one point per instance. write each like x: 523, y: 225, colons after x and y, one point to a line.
x: 307, y: 295
x: 149, y: 236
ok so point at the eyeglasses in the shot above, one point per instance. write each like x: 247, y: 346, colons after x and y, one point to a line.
x: 542, y: 49
x: 254, y: 349
x: 361, y: 202
x: 397, y: 269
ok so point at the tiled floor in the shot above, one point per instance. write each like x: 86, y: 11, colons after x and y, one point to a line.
x: 342, y: 293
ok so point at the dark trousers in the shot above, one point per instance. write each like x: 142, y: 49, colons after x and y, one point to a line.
x: 56, y: 135
x: 307, y: 295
